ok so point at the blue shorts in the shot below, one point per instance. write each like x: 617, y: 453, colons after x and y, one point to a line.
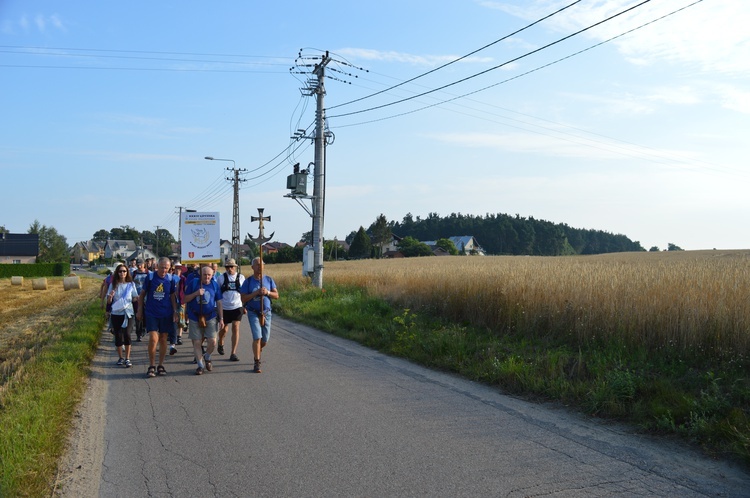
x: 162, y: 325
x: 258, y: 332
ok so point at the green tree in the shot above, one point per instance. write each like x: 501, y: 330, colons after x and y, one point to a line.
x: 654, y: 249
x: 147, y: 238
x: 381, y: 233
x: 286, y: 255
x: 448, y: 245
x: 126, y: 232
x: 307, y: 238
x: 53, y: 247
x: 100, y: 235
x: 252, y: 247
x: 333, y: 250
x: 350, y: 238
x: 361, y: 245
x: 674, y: 247
x: 164, y: 240
x: 411, y: 247
x: 3, y: 229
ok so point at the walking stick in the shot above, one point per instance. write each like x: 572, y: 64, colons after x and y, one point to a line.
x: 260, y: 240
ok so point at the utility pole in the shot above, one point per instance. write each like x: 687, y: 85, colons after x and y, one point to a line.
x: 236, y: 208
x: 179, y: 225
x: 297, y: 181
x: 319, y: 174
x: 236, y: 219
x: 157, y: 241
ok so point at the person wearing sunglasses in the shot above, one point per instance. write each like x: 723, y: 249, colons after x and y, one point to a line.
x: 120, y: 296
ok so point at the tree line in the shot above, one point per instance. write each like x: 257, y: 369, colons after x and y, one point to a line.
x: 516, y: 235
x: 498, y: 234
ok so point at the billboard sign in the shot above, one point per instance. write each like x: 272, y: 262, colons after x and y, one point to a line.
x: 200, y: 238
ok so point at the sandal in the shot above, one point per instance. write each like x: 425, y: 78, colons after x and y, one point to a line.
x: 151, y: 372
x: 161, y: 370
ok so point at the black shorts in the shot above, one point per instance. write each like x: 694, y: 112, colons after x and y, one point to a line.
x: 232, y: 315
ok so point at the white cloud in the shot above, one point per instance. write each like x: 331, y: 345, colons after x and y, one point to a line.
x: 43, y: 23
x: 710, y: 36
x: 40, y: 22
x: 684, y: 95
x: 734, y: 98
x: 625, y: 104
x: 57, y: 22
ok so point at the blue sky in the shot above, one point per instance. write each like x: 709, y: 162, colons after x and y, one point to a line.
x: 109, y: 108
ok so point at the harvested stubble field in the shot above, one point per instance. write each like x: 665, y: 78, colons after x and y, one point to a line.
x: 29, y: 318
x: 684, y: 300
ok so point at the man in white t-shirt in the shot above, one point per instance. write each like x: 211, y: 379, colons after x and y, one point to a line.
x: 230, y: 283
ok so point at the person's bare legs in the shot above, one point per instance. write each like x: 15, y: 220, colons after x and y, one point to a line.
x: 198, y: 351
x: 153, y: 339
x: 162, y: 348
x: 235, y: 335
x: 223, y: 333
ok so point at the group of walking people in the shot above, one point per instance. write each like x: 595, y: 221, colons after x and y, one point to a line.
x: 162, y: 302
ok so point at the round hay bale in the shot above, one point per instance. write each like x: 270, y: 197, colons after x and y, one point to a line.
x: 73, y: 282
x: 16, y: 280
x: 39, y: 284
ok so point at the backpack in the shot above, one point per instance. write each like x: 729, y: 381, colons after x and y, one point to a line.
x: 226, y: 285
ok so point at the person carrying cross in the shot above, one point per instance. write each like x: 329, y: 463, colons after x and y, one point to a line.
x: 256, y: 294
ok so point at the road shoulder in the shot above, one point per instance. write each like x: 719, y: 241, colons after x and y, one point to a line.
x: 80, y: 468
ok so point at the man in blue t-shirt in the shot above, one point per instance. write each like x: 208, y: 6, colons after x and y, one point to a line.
x: 256, y: 293
x: 203, y: 302
x: 160, y: 312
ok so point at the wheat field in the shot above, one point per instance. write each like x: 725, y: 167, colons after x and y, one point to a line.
x: 28, y: 318
x: 696, y: 300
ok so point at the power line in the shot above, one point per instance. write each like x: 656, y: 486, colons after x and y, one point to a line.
x: 178, y: 70
x: 192, y: 54
x: 636, y: 153
x: 495, y: 67
x: 458, y: 59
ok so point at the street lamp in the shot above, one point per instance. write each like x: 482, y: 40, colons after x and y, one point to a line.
x: 235, y: 211
x: 217, y: 159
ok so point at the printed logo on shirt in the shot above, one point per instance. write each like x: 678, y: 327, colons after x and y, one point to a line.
x: 159, y: 292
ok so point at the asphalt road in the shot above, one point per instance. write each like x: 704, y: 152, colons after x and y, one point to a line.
x: 328, y: 417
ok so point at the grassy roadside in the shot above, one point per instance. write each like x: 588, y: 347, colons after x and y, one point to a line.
x: 702, y: 398
x: 36, y: 408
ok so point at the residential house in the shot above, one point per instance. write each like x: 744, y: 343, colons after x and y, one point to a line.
x: 142, y: 253
x: 244, y: 251
x: 273, y: 247
x: 392, y: 245
x: 119, y: 249
x: 436, y: 249
x: 17, y: 248
x: 86, y: 251
x: 225, y: 249
x: 466, y: 244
